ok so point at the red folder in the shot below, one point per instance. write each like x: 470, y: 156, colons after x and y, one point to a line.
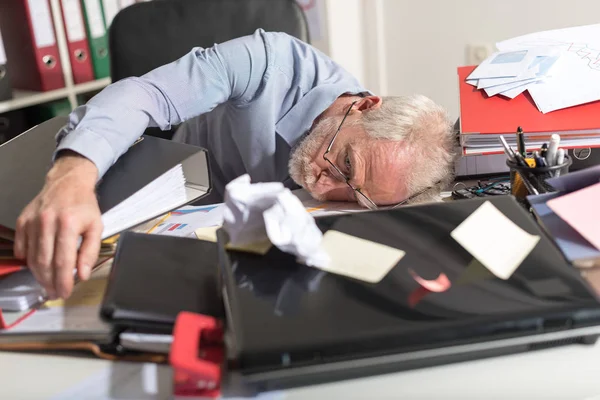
x: 30, y: 43
x: 482, y: 114
x: 79, y: 51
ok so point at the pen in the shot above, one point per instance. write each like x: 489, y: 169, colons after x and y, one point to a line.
x: 560, y: 159
x: 520, y: 160
x: 507, y: 150
x: 539, y: 160
x: 544, y: 150
x: 521, y: 142
x: 552, y: 149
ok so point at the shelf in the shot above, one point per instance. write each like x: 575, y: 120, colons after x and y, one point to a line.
x: 23, y: 98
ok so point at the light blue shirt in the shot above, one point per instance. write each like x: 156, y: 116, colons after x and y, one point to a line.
x: 253, y: 98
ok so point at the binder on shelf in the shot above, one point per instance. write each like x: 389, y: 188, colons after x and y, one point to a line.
x: 126, y: 3
x: 97, y: 37
x: 79, y: 50
x: 5, y: 87
x: 30, y: 44
x: 111, y: 8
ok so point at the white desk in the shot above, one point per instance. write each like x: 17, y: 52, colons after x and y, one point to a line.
x: 571, y: 372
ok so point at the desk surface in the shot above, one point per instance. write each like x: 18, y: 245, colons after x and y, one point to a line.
x: 569, y: 372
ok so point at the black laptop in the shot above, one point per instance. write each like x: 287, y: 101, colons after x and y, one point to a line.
x: 288, y: 324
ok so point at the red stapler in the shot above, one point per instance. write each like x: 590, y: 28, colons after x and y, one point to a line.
x: 196, y: 356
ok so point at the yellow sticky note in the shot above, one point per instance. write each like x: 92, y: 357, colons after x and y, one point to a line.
x: 85, y: 293
x: 210, y: 234
x: 493, y: 239
x: 359, y: 258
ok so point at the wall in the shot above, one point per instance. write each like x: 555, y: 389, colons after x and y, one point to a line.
x: 425, y: 40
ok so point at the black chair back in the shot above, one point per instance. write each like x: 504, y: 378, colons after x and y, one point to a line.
x: 146, y: 35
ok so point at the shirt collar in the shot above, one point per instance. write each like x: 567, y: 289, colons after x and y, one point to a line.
x: 298, y: 120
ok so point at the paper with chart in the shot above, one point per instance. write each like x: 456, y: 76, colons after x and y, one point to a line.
x: 187, y: 220
x: 578, y: 79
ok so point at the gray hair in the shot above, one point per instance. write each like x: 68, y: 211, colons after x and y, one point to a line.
x: 425, y: 129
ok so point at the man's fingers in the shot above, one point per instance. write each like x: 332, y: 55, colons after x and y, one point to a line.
x: 20, y: 245
x: 88, y: 252
x: 42, y: 272
x: 45, y: 240
x: 65, y: 255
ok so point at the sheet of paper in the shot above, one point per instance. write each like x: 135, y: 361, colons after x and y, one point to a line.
x: 80, y: 312
x: 257, y: 212
x: 493, y: 239
x: 494, y: 90
x: 504, y: 64
x: 158, y: 197
x: 491, y: 82
x: 578, y: 80
x: 320, y: 209
x: 184, y: 221
x: 581, y: 210
x: 359, y: 258
x: 514, y: 92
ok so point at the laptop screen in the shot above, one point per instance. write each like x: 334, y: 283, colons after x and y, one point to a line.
x: 285, y: 313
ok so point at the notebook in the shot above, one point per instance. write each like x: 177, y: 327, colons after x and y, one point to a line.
x: 153, y: 177
x: 154, y: 277
x: 289, y: 325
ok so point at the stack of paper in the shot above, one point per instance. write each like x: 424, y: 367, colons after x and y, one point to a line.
x: 559, y: 68
x: 511, y: 72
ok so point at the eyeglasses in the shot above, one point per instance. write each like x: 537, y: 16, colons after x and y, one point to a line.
x: 357, y: 192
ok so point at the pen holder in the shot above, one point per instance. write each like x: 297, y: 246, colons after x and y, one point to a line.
x: 526, y: 180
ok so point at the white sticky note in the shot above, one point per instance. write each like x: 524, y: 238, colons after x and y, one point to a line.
x: 493, y: 239
x: 359, y: 258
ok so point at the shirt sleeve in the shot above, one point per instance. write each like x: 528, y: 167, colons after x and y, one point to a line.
x: 104, y: 128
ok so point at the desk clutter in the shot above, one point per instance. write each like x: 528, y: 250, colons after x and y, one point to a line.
x: 545, y: 82
x: 272, y: 289
x: 160, y: 301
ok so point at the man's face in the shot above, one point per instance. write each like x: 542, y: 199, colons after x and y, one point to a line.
x: 375, y: 166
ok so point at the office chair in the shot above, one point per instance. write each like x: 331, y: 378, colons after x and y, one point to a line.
x: 147, y: 35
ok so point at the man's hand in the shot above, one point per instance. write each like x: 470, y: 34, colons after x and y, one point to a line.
x: 49, y: 228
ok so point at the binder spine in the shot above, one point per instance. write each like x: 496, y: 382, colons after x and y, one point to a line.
x: 98, y: 38
x: 44, y: 41
x: 79, y: 51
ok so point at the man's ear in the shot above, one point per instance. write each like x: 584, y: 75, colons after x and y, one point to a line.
x: 369, y: 103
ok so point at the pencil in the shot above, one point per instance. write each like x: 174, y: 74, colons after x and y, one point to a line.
x: 163, y: 219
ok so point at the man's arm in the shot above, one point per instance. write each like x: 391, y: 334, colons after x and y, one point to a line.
x: 98, y: 133
x: 104, y: 128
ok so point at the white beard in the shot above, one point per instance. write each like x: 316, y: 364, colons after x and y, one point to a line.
x: 305, y: 152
